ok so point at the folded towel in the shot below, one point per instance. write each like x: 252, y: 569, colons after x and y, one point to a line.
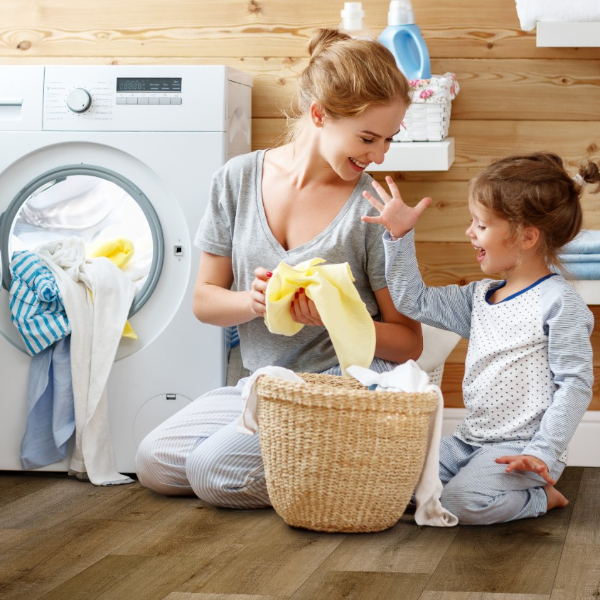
x: 532, y: 11
x: 332, y: 289
x: 408, y: 377
x: 583, y: 270
x: 580, y: 258
x: 586, y: 242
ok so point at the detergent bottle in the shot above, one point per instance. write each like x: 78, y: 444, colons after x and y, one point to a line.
x: 403, y: 38
x: 352, y: 21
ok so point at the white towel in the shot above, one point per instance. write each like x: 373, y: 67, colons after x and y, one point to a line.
x: 248, y: 421
x: 96, y: 331
x: 437, y: 345
x: 533, y: 11
x: 408, y: 377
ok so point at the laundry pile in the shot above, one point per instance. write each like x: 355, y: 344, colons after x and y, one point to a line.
x: 533, y: 11
x: 581, y: 257
x: 70, y: 311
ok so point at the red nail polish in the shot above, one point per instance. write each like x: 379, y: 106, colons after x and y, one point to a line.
x: 269, y: 274
x: 296, y: 295
x: 301, y: 290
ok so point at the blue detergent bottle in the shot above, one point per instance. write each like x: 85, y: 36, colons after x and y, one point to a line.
x: 403, y: 38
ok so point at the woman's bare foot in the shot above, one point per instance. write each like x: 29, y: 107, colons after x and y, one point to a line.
x: 555, y: 498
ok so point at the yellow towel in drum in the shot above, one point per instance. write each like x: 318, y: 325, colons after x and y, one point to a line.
x: 331, y: 288
x: 119, y: 251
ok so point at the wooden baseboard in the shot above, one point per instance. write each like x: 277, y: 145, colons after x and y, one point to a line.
x: 584, y: 450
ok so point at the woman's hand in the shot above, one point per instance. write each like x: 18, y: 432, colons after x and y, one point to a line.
x: 526, y: 462
x: 397, y: 217
x: 303, y: 310
x: 258, y: 289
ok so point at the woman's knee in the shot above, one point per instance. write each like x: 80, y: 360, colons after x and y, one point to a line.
x: 226, y: 479
x: 156, y: 472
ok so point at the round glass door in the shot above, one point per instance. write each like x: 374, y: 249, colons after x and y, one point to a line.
x: 113, y: 217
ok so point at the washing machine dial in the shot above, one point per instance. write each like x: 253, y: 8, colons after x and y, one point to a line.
x: 79, y: 100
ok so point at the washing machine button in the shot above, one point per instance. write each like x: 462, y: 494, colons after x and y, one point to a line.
x: 121, y: 100
x: 153, y: 101
x: 142, y: 100
x: 176, y: 100
x: 132, y: 100
x: 165, y: 100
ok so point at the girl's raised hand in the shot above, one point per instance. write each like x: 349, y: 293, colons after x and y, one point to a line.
x: 526, y: 462
x: 397, y: 217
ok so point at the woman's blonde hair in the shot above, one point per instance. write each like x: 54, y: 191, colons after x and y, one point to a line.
x: 345, y: 76
x: 535, y: 189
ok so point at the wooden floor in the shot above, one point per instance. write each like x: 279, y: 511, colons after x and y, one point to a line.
x: 64, y: 539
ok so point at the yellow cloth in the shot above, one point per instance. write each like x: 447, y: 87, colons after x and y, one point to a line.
x: 331, y: 288
x: 119, y: 251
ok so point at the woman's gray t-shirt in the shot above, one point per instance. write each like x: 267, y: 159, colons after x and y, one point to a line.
x: 235, y: 225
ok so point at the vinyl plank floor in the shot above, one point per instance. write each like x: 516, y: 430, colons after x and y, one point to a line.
x: 62, y: 538
x: 520, y: 557
x: 578, y: 575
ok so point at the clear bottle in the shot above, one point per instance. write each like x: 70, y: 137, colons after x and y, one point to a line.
x: 403, y: 38
x: 352, y: 21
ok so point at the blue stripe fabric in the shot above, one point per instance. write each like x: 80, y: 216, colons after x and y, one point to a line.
x: 36, y: 306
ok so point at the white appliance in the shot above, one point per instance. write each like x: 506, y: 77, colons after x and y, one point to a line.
x: 128, y: 150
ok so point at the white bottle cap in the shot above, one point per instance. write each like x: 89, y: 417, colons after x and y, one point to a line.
x: 352, y: 16
x: 401, y: 13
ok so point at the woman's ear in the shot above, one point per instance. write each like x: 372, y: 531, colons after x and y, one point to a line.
x: 317, y: 114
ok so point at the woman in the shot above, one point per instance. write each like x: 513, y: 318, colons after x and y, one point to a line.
x: 299, y: 201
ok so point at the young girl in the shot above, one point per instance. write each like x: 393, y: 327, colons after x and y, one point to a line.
x: 296, y: 202
x: 528, y: 372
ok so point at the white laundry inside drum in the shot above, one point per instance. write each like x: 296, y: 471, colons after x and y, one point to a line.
x: 99, y: 211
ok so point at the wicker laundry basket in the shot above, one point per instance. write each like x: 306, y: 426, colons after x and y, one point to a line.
x: 339, y: 457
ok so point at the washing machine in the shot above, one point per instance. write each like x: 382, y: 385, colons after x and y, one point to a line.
x: 128, y: 153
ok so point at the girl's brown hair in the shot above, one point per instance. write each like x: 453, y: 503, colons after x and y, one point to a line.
x: 536, y: 190
x: 346, y: 76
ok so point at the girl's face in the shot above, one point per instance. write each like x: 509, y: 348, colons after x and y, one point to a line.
x: 350, y: 145
x: 490, y: 236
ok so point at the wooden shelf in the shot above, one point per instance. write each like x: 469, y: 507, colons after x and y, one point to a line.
x: 417, y: 156
x: 563, y: 34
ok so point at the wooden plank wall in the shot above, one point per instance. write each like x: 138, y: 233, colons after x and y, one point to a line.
x: 515, y: 97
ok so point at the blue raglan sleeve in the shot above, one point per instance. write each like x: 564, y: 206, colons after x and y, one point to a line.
x: 568, y: 323
x: 448, y: 307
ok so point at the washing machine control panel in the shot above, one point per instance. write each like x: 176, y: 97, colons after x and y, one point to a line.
x: 137, y: 97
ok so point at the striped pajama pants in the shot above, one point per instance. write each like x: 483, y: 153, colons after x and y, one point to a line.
x: 480, y: 492
x: 199, y: 451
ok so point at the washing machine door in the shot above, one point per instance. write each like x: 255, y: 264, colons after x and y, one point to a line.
x: 102, y: 207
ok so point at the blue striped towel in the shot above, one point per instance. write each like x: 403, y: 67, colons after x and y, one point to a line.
x: 36, y: 307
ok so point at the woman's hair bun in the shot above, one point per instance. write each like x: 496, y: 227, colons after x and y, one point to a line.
x: 324, y: 37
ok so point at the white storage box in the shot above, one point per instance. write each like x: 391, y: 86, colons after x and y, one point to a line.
x: 428, y: 117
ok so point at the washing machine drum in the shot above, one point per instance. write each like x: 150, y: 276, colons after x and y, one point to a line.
x: 112, y: 215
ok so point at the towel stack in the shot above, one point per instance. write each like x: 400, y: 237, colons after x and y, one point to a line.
x: 581, y: 257
x: 533, y: 11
